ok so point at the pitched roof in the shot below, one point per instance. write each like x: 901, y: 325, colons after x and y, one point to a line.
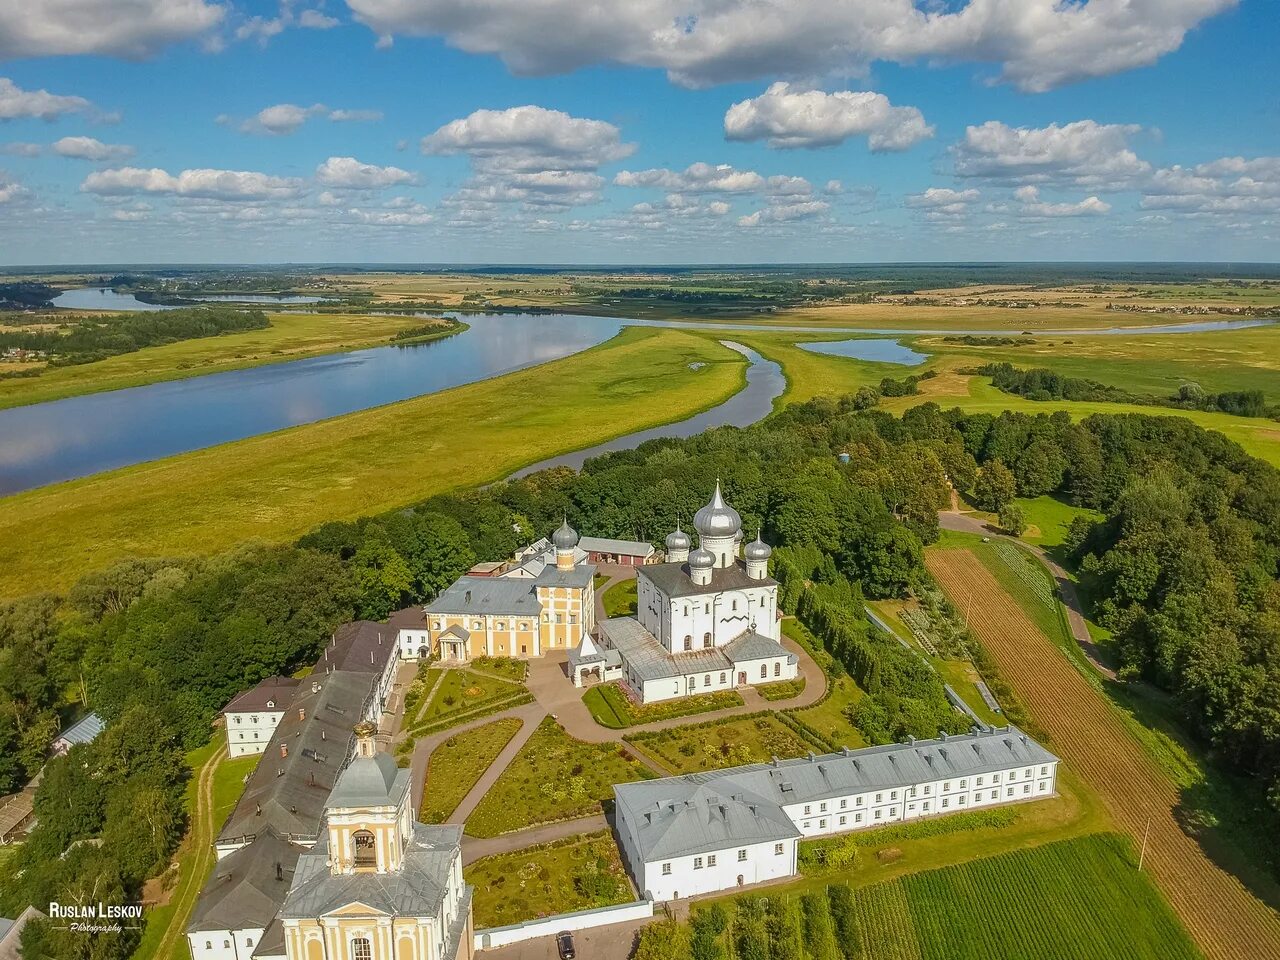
x: 416, y: 891
x: 11, y: 936
x: 410, y: 618
x: 85, y: 730
x: 753, y: 646
x: 672, y: 579
x: 247, y: 886
x: 369, y: 782
x: 362, y: 646
x: 631, y: 548
x: 273, y: 693
x: 553, y: 576
x: 487, y: 595
x: 650, y: 660
x: 811, y: 778
x: 701, y: 820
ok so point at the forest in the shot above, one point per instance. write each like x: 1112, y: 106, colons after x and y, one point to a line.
x: 89, y: 339
x: 1183, y: 569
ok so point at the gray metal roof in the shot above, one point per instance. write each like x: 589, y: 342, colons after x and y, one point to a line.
x: 631, y: 548
x: 11, y: 938
x: 813, y: 778
x: 579, y: 576
x: 701, y: 820
x: 457, y: 632
x: 753, y: 646
x: 273, y: 693
x: 650, y: 660
x: 362, y: 646
x: 247, y: 886
x: 5, y: 924
x: 488, y: 595
x: 717, y: 518
x: 84, y: 730
x: 288, y: 794
x: 672, y: 579
x: 416, y: 891
x: 370, y: 782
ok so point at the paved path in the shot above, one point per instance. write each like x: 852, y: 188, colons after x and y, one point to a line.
x: 500, y: 763
x: 474, y: 848
x: 964, y: 523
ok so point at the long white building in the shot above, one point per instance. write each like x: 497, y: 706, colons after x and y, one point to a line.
x: 700, y: 833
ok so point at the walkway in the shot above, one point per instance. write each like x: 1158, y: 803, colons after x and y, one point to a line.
x: 964, y: 523
x: 500, y: 763
x: 475, y: 848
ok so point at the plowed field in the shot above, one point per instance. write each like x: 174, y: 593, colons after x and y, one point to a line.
x: 1224, y: 917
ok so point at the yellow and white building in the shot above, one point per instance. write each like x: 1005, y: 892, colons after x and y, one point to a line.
x: 516, y: 616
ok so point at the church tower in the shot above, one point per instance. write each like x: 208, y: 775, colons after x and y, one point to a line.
x: 565, y: 540
x: 718, y: 526
x: 677, y: 546
x: 368, y: 813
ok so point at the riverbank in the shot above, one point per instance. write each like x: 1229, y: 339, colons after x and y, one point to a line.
x: 277, y: 486
x: 291, y: 336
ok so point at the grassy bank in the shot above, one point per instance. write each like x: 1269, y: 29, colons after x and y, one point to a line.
x: 277, y: 486
x: 291, y: 336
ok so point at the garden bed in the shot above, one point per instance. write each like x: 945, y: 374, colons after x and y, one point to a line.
x: 731, y: 742
x: 611, y: 707
x: 459, y: 763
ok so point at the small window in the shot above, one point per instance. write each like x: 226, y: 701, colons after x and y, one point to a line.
x: 706, y: 640
x: 688, y: 642
x: 722, y: 678
x: 764, y: 671
x: 822, y: 824
x: 711, y: 860
x: 1026, y: 788
x: 666, y: 869
x: 945, y: 803
x: 843, y: 820
x: 844, y: 803
x: 822, y: 808
x: 1044, y: 771
x: 777, y: 849
x: 706, y: 680
x: 777, y: 668
x: 893, y: 794
x: 925, y: 805
x: 742, y: 855
x: 879, y: 797
x: 857, y: 818
x: 697, y: 863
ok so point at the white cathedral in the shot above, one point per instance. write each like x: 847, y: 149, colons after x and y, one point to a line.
x: 706, y: 620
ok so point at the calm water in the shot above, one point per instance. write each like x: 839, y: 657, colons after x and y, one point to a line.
x: 104, y: 298
x: 63, y: 439
x: 882, y: 351
x: 753, y: 402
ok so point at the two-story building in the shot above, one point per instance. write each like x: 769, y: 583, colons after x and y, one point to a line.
x: 252, y: 717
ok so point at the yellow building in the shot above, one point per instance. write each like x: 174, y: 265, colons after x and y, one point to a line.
x: 378, y: 885
x: 513, y: 616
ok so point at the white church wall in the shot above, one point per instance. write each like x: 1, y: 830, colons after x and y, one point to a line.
x: 223, y: 944
x: 739, y: 865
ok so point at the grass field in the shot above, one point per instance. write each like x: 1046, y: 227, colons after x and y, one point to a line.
x: 722, y: 743
x: 577, y: 873
x: 553, y: 777
x: 458, y: 763
x: 461, y: 691
x: 277, y: 486
x: 1200, y: 874
x: 611, y: 708
x: 620, y: 599
x: 291, y: 336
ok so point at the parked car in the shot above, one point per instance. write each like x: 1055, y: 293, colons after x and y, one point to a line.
x: 564, y: 945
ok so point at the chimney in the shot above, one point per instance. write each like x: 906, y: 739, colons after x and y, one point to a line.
x: 257, y: 810
x: 942, y: 735
x: 279, y: 872
x: 302, y: 714
x: 323, y: 735
x: 315, y: 686
x: 284, y: 750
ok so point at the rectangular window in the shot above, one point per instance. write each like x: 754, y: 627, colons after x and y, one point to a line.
x: 859, y: 801
x: 843, y: 820
x: 711, y: 860
x: 742, y: 855
x: 806, y: 809
x: 893, y: 795
x: 879, y: 796
x: 822, y: 808
x: 1009, y: 793
x: 878, y: 814
x: 963, y: 784
x: 844, y: 803
x: 697, y: 863
x: 857, y: 818
x: 927, y: 789
x: 666, y: 869
x: 978, y: 781
x: 1044, y: 785
x: 1044, y: 771
x: 945, y: 803
x: 1026, y: 788
x: 925, y: 805
x: 822, y: 824
x: 777, y: 849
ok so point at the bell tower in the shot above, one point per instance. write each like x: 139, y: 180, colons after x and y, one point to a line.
x: 368, y: 816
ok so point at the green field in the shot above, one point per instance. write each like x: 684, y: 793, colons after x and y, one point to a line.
x: 611, y: 708
x: 620, y: 599
x: 461, y: 691
x: 458, y: 763
x: 553, y: 777
x: 291, y: 336
x: 722, y: 743
x: 577, y: 873
x: 278, y: 486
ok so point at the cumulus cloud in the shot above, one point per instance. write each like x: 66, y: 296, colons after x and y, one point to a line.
x: 1083, y: 153
x: 133, y: 29
x: 282, y: 119
x: 315, y: 20
x: 87, y: 148
x: 787, y: 118
x: 350, y: 174
x: 17, y: 148
x: 529, y: 155
x: 717, y: 178
x: 1033, y: 206
x: 262, y: 29
x: 19, y: 104
x: 1227, y: 186
x: 785, y: 211
x: 1037, y: 44
x: 10, y: 189
x: 942, y: 202
x: 204, y: 184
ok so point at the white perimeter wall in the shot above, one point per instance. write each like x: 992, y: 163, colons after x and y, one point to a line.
x: 223, y: 944
x: 550, y: 926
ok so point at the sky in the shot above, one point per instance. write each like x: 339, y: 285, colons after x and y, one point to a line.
x: 644, y: 131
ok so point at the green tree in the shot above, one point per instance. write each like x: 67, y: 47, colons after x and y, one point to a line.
x: 1011, y: 519
x: 382, y: 576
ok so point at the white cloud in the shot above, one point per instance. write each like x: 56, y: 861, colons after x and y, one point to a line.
x: 315, y: 20
x: 10, y: 189
x: 87, y: 148
x: 282, y: 119
x: 1038, y: 44
x: 942, y: 202
x: 127, y: 28
x: 1227, y: 186
x: 19, y: 104
x: 263, y: 29
x: 785, y: 212
x: 531, y: 137
x: 833, y: 188
x: 355, y: 116
x: 199, y: 183
x: 1083, y: 153
x: 17, y: 148
x: 1033, y: 206
x: 788, y: 118
x: 349, y: 173
x: 709, y: 178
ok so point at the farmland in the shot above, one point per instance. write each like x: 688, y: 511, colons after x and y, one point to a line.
x: 1229, y: 917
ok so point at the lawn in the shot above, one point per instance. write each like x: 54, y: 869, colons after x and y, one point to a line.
x: 1077, y: 899
x: 612, y: 708
x: 508, y: 668
x: 827, y: 717
x: 722, y: 743
x: 458, y: 763
x: 576, y: 873
x: 781, y: 690
x: 462, y: 691
x: 620, y: 599
x: 553, y: 777
x: 291, y: 336
x: 277, y: 486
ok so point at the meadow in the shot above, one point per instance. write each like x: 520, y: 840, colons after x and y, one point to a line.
x: 291, y: 336
x: 277, y: 486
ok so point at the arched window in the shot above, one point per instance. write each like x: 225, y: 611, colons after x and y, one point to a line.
x: 764, y: 671
x: 364, y: 850
x: 688, y: 641
x: 706, y: 680
x: 361, y: 949
x: 777, y: 668
x: 706, y: 639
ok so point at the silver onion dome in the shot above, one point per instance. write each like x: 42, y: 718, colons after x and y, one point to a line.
x: 566, y: 538
x: 717, y: 518
x: 758, y: 550
x: 702, y: 559
x: 677, y: 540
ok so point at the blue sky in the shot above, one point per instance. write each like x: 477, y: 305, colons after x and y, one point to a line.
x: 662, y: 131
